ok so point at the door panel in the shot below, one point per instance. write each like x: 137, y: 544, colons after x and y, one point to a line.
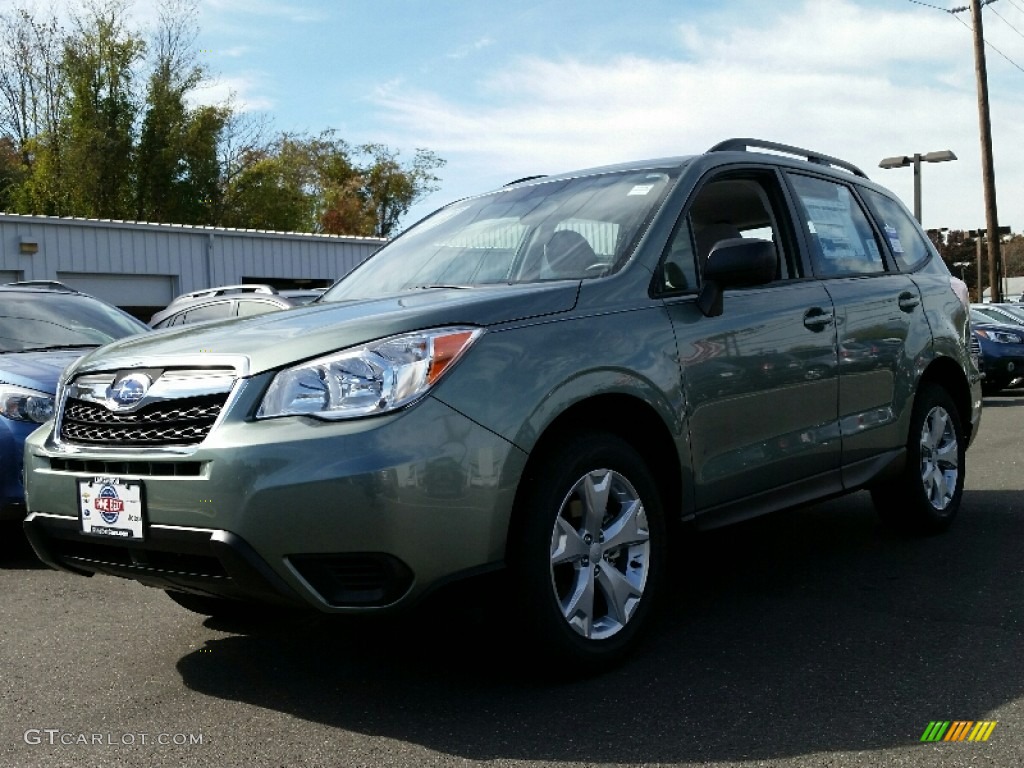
x: 761, y: 389
x: 882, y: 332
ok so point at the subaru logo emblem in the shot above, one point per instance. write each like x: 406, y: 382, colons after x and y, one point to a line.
x: 128, y: 391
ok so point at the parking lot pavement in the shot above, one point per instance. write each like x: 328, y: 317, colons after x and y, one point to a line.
x: 811, y: 637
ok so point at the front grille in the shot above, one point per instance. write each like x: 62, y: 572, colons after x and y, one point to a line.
x: 975, y: 346
x: 185, y: 421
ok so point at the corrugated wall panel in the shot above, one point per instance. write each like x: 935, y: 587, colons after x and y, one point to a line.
x: 85, y: 247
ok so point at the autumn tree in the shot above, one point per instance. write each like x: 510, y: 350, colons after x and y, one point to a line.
x: 391, y: 188
x: 320, y: 184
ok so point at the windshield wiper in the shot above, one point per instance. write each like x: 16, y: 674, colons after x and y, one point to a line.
x: 438, y: 285
x: 90, y: 345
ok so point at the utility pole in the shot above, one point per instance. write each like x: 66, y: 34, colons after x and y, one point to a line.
x: 988, y: 175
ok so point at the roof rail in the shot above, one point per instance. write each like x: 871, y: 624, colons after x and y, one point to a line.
x: 225, y: 290
x: 526, y: 178
x: 742, y: 145
x: 52, y: 284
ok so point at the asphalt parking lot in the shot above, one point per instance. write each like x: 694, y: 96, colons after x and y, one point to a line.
x: 811, y: 637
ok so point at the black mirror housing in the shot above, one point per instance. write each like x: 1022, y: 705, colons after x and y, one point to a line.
x: 735, y: 263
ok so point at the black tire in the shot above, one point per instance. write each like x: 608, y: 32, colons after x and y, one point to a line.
x: 208, y: 605
x: 926, y: 496
x: 619, y: 592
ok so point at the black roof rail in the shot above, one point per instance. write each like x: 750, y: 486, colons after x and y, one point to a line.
x: 526, y: 178
x: 742, y: 145
x: 51, y: 284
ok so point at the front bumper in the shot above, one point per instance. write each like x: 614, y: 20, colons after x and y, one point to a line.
x: 1002, y: 363
x: 338, y: 516
x: 12, y: 444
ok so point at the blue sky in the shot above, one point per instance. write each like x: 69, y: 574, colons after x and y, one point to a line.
x: 508, y: 89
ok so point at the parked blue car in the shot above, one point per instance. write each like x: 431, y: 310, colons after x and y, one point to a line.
x: 44, y: 327
x: 1002, y: 352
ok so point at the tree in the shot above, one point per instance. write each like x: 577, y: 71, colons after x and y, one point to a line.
x: 12, y: 173
x: 390, y: 188
x: 32, y: 86
x: 272, y: 190
x: 176, y: 168
x: 99, y: 58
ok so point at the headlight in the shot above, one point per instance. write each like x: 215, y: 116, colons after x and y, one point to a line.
x: 367, y: 380
x: 1000, y: 337
x: 21, y: 404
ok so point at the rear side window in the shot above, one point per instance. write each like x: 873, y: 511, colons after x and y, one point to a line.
x: 906, y: 242
x: 215, y: 311
x: 248, y: 308
x: 842, y: 241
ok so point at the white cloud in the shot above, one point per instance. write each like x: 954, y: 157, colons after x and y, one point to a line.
x: 241, y: 91
x: 465, y: 50
x: 861, y: 83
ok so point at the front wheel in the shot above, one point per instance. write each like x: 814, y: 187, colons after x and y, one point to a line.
x: 588, y: 557
x: 926, y: 496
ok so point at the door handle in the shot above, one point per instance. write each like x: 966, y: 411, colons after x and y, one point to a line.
x: 908, y: 301
x: 817, y: 319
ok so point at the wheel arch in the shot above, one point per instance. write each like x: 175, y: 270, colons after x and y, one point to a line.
x: 632, y: 420
x: 946, y: 373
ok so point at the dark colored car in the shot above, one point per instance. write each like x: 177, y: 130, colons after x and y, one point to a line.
x: 44, y: 327
x: 228, y: 302
x: 551, y: 378
x: 1001, y: 352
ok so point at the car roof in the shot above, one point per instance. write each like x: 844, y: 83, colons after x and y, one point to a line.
x: 187, y: 304
x: 747, y: 148
x: 38, y: 286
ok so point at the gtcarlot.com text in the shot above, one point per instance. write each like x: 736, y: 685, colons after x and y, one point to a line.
x: 55, y: 736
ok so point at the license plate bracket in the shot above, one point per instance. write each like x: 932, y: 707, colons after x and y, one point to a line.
x: 111, y: 507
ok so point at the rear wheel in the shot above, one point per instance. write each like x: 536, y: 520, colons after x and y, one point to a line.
x: 588, y: 556
x: 926, y: 496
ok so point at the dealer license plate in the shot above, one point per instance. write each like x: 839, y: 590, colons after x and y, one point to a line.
x: 111, y: 507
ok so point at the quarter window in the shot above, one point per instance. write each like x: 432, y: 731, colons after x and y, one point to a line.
x: 906, y: 242
x: 842, y: 241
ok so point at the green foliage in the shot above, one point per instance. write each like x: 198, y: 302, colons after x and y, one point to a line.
x: 94, y: 122
x: 99, y: 127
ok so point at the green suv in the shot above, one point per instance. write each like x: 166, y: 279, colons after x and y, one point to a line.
x: 551, y: 378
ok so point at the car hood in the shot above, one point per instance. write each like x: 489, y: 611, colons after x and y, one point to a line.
x: 277, y: 339
x: 36, y: 370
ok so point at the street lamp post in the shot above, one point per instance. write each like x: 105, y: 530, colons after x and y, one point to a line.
x: 915, y: 160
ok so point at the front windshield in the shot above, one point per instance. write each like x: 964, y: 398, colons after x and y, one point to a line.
x: 550, y: 230
x: 50, y: 321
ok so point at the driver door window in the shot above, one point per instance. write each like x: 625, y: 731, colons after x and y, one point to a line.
x: 729, y: 207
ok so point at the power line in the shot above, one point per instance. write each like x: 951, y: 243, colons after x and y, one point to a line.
x: 993, y: 10
x: 955, y: 11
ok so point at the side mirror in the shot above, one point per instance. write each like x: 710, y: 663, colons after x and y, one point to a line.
x: 734, y: 263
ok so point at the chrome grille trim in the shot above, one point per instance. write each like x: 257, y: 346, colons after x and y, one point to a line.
x: 178, y: 412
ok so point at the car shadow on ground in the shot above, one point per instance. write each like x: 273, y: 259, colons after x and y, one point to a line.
x: 15, y: 552
x: 1005, y: 398
x: 806, y: 631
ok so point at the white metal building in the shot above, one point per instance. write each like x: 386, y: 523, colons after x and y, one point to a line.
x: 142, y: 267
